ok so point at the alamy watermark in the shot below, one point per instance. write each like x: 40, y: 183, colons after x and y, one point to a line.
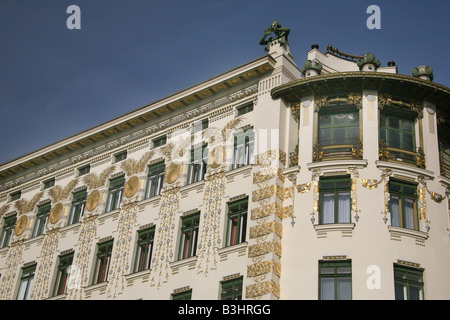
x: 374, y: 20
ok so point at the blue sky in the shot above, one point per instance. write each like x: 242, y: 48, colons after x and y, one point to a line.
x: 56, y: 82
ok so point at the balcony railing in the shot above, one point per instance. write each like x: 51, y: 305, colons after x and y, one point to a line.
x: 337, y: 151
x: 404, y: 155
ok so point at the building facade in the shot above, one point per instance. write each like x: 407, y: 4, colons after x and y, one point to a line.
x: 269, y: 181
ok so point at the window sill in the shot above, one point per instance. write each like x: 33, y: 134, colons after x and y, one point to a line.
x: 188, y: 262
x: 337, y: 164
x: 334, y: 227
x: 398, y: 231
x: 239, y: 248
x: 404, y: 168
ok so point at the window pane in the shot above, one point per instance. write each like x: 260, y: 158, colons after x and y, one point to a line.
x: 329, y: 270
x: 328, y: 208
x: 399, y: 291
x: 353, y: 133
x: 394, y: 139
x: 407, y: 125
x: 325, y: 120
x: 343, y: 207
x: 340, y: 119
x: 409, y: 213
x: 339, y: 135
x: 394, y: 123
x: 394, y: 207
x: 382, y: 120
x: 344, y: 289
x: 353, y: 118
x: 325, y: 136
x: 327, y: 289
x: 415, y: 292
x: 408, y: 142
x: 383, y: 134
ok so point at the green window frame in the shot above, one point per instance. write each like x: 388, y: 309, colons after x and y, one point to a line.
x: 185, y: 295
x: 26, y: 281
x: 408, y: 283
x: 244, y: 142
x: 158, y: 142
x: 63, y: 274
x: 15, y: 196
x: 155, y: 179
x: 49, y: 183
x: 397, y: 132
x: 237, y: 222
x: 334, y: 200
x: 335, y: 280
x: 120, y: 156
x: 338, y: 128
x: 198, y: 164
x: 104, y: 252
x: 232, y: 289
x: 84, y: 170
x: 246, y: 108
x: 189, y: 235
x: 41, y: 219
x: 403, y: 204
x: 78, y: 207
x: 9, y: 223
x: 115, y: 193
x: 145, y: 239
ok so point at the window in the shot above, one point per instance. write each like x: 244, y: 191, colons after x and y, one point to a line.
x: 155, y: 180
x: 185, y: 295
x: 120, y: 156
x: 200, y: 125
x: 232, y: 289
x: 26, y: 282
x: 115, y: 193
x: 41, y: 219
x: 335, y: 201
x: 84, y: 170
x: 15, y: 196
x: 197, y: 166
x: 338, y: 128
x: 144, y: 249
x: 78, y: 206
x: 159, y: 141
x: 63, y: 273
x: 398, y: 136
x: 189, y: 235
x: 49, y: 183
x: 335, y: 280
x: 8, y: 227
x: 245, y: 109
x: 237, y: 222
x: 408, y: 283
x: 243, y: 148
x: 103, y: 261
x: 403, y: 204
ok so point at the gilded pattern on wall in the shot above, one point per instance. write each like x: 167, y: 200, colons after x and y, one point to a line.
x: 210, y: 235
x: 42, y: 280
x: 11, y: 271
x: 265, y: 228
x: 122, y: 248
x: 80, y: 272
x: 165, y: 233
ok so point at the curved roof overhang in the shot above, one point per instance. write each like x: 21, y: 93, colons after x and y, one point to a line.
x: 396, y: 85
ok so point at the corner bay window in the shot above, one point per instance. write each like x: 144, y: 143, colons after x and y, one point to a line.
x: 335, y: 200
x: 335, y: 280
x: 189, y: 235
x: 403, y: 204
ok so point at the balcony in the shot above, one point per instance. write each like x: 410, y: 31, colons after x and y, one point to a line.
x: 445, y: 163
x: 337, y: 151
x: 399, y: 154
